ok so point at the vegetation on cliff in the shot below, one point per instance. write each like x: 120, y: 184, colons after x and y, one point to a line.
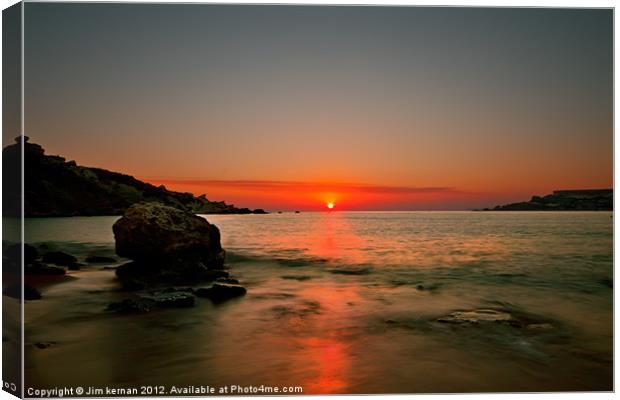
x: 56, y: 187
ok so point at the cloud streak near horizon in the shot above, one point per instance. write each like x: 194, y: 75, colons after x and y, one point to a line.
x: 273, y: 185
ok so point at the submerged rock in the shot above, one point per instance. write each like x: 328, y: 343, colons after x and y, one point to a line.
x: 165, y: 299
x: 59, y: 258
x: 167, y: 245
x: 173, y: 299
x: 219, y: 293
x: 528, y: 323
x: 480, y: 316
x: 131, y: 306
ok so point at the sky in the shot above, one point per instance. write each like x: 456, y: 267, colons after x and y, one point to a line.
x: 291, y: 107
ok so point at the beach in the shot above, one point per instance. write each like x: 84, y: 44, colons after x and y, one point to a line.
x: 346, y: 302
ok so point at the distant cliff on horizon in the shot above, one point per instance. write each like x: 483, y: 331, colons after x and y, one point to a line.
x: 565, y: 200
x: 55, y: 187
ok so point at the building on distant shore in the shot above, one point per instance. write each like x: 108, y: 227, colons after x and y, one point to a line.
x: 584, y: 193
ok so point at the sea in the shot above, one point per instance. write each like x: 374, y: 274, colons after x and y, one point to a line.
x: 346, y: 303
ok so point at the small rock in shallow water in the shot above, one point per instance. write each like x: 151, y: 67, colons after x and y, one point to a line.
x: 173, y: 299
x: 479, y: 316
x: 100, y: 259
x: 58, y: 258
x: 131, y: 306
x: 219, y: 293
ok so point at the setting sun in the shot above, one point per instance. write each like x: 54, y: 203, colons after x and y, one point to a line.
x: 330, y: 205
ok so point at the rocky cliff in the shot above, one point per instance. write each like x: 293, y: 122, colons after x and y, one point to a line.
x: 54, y: 187
x: 565, y: 200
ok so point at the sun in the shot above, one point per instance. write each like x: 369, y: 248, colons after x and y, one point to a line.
x: 330, y: 205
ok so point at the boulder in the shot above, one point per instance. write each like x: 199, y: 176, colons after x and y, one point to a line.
x: 59, y: 258
x: 12, y: 257
x: 219, y: 293
x: 158, y: 236
x: 13, y: 253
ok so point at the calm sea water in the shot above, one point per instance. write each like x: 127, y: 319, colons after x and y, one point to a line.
x: 347, y: 303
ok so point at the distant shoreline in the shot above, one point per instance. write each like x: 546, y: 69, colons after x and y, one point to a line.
x: 564, y: 200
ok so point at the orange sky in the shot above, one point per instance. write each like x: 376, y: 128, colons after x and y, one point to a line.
x: 283, y: 195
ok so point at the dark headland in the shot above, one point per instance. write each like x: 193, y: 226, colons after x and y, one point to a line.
x: 56, y: 187
x: 565, y: 200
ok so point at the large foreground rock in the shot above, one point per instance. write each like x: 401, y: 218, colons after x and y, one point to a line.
x: 166, y: 244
